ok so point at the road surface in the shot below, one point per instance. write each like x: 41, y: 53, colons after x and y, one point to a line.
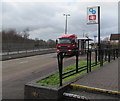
x: 18, y: 72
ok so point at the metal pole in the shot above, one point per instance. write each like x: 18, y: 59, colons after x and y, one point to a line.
x: 101, y: 57
x: 114, y: 53
x: 99, y: 31
x: 66, y: 25
x: 95, y: 56
x: 88, y: 44
x: 90, y: 61
x: 78, y: 44
x: 76, y: 61
x: 108, y: 55
x: 87, y: 61
x: 117, y: 53
x: 66, y: 15
x: 105, y: 55
x: 83, y: 33
x: 60, y: 65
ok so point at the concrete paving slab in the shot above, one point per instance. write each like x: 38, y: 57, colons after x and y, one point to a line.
x: 105, y: 77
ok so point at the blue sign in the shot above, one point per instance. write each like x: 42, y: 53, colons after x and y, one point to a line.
x: 95, y: 36
x: 92, y: 11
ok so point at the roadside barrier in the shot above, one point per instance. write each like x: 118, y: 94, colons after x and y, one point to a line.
x: 100, y: 56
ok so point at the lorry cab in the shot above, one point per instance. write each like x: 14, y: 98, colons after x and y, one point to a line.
x: 67, y: 43
x: 70, y: 43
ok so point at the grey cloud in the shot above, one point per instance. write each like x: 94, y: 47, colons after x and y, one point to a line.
x: 26, y: 15
x: 45, y: 20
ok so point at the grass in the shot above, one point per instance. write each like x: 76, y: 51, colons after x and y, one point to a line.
x: 53, y: 80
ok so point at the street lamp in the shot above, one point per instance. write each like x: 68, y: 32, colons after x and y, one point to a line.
x: 66, y: 22
x: 83, y: 33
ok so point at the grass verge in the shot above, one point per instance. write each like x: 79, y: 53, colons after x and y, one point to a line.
x: 53, y: 80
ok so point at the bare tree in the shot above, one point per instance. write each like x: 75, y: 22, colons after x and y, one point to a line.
x: 26, y: 33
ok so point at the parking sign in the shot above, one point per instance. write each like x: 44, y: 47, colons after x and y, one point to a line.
x: 92, y: 15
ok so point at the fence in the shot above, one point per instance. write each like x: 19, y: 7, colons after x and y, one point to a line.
x: 19, y: 47
x: 25, y: 51
x: 99, y: 58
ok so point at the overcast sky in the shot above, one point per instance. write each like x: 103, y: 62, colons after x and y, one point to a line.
x: 45, y: 20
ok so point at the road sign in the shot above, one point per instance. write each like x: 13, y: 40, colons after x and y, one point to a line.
x: 95, y: 36
x: 92, y: 15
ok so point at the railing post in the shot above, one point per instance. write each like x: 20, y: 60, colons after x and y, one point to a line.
x: 77, y: 61
x: 105, y: 55
x: 114, y: 53
x: 101, y: 58
x: 96, y: 57
x: 90, y: 61
x: 87, y: 61
x: 117, y: 53
x: 108, y: 55
x: 60, y: 65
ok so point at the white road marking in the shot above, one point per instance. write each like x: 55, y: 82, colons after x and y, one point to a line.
x: 23, y: 62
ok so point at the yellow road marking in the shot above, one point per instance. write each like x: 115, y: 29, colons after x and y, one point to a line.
x: 96, y: 89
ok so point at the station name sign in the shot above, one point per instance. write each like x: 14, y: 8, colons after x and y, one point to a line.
x: 92, y: 15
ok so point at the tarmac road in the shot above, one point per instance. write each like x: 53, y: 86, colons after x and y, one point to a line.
x: 17, y: 72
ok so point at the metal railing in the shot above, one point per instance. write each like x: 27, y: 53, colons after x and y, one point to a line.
x: 100, y: 56
x: 25, y: 51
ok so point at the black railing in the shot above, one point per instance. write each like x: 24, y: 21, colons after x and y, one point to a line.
x: 92, y: 60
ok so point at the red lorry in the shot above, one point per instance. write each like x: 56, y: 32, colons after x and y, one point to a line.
x: 67, y: 43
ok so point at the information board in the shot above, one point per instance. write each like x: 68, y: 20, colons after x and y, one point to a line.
x: 92, y: 15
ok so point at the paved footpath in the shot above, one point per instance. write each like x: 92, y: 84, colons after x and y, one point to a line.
x: 105, y: 77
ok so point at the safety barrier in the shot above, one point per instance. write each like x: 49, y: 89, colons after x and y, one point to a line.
x: 100, y: 56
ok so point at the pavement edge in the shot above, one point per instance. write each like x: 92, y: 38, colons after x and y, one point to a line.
x: 111, y: 92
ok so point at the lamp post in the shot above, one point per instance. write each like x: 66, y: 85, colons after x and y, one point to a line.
x: 66, y: 15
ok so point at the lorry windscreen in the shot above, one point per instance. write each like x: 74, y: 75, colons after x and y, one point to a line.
x: 64, y: 41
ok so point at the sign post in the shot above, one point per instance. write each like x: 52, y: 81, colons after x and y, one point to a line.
x: 93, y: 17
x: 99, y: 28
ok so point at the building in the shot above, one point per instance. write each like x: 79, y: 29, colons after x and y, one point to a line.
x: 115, y: 39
